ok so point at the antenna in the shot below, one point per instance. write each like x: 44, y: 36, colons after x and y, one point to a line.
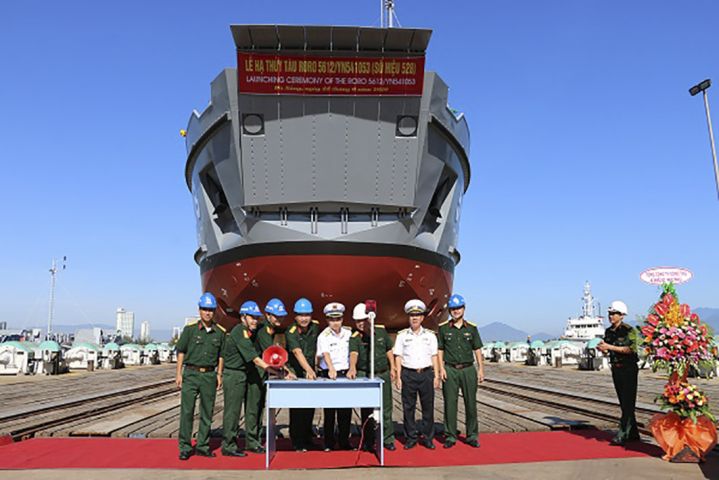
x: 387, y: 17
x: 53, y: 274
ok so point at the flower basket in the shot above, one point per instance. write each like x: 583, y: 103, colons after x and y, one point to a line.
x: 675, y: 340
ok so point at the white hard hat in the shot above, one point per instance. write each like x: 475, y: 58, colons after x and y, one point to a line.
x: 618, y: 306
x: 415, y: 306
x: 334, y: 310
x: 360, y: 312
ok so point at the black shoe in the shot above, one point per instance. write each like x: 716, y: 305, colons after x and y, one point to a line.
x: 257, y: 449
x: 390, y: 447
x: 328, y: 449
x: 410, y: 444
x: 634, y: 438
x: 347, y: 446
x: 200, y: 453
x: 428, y: 444
x: 617, y: 442
x: 473, y: 443
x: 367, y: 448
x: 299, y: 448
x: 185, y: 455
x: 448, y: 444
x: 236, y: 453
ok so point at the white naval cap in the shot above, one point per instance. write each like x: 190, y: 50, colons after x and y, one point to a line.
x: 334, y: 310
x: 415, y: 306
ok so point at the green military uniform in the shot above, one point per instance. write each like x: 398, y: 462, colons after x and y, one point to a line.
x: 301, y: 418
x: 624, y: 375
x: 360, y: 343
x: 458, y: 346
x: 264, y: 337
x: 242, y: 384
x: 202, y: 348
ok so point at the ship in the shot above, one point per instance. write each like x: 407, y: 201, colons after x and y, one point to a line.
x: 588, y: 325
x: 329, y: 165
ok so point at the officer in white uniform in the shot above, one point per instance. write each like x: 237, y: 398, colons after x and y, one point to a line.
x: 333, y: 348
x: 415, y: 351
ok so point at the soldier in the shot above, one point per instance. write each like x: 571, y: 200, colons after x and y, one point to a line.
x: 333, y: 350
x: 459, y: 344
x: 620, y: 341
x: 302, y: 344
x: 417, y: 374
x: 198, y: 349
x: 243, y: 383
x: 384, y: 368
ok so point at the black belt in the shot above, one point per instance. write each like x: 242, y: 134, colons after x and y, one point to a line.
x: 377, y: 372
x: 418, y: 370
x: 199, y: 369
x: 326, y: 373
x: 460, y: 366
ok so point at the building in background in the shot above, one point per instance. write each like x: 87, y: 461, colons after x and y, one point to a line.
x: 89, y: 335
x: 145, y: 331
x: 176, y: 331
x: 125, y: 322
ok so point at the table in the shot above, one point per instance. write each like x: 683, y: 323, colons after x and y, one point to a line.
x: 322, y: 393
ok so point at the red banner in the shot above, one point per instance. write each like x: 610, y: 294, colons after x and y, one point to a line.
x: 313, y: 75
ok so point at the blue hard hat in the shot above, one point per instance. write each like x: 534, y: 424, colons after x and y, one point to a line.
x: 250, y: 308
x: 276, y: 307
x: 456, y: 301
x: 207, y: 300
x: 303, y: 306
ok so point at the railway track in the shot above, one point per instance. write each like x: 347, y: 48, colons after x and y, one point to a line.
x: 25, y: 422
x: 605, y: 409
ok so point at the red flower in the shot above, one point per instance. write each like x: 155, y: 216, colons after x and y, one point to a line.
x: 652, y: 320
x: 661, y: 309
x: 684, y: 310
x: 668, y: 299
x: 694, y: 317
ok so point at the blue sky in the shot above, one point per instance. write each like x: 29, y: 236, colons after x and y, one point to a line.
x: 590, y: 159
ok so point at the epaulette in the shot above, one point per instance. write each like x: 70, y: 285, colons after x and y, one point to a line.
x: 470, y: 323
x: 431, y: 331
x: 246, y: 333
x: 224, y: 330
x: 402, y: 331
x: 327, y: 332
x: 356, y: 334
x: 192, y: 323
x: 315, y: 321
x: 293, y: 329
x: 444, y: 323
x: 269, y: 330
x: 346, y: 327
x: 379, y: 326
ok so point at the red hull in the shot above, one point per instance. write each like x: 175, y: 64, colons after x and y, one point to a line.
x: 348, y: 279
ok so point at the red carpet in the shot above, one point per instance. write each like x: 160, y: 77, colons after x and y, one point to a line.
x: 162, y: 453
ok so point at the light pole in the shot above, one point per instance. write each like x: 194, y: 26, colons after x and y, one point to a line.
x: 703, y: 87
x: 51, y: 308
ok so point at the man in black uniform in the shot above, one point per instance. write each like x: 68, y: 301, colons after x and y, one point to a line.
x: 301, y: 340
x: 620, y: 341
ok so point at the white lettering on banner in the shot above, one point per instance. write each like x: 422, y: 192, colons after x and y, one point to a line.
x: 661, y: 275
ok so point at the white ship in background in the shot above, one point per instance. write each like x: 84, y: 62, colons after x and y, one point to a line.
x: 588, y: 325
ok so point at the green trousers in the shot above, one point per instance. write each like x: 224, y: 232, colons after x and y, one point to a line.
x: 240, y: 387
x: 254, y: 404
x: 386, y: 412
x: 196, y: 384
x: 464, y: 379
x: 625, y: 383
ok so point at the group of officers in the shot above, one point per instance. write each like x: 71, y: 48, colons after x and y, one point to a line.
x: 417, y: 362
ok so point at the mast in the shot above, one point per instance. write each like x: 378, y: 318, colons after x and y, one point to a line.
x: 387, y: 17
x: 51, y: 308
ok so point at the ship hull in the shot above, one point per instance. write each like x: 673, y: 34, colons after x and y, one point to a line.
x: 343, y: 273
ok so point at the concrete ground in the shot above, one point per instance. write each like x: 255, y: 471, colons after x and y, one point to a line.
x: 628, y: 468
